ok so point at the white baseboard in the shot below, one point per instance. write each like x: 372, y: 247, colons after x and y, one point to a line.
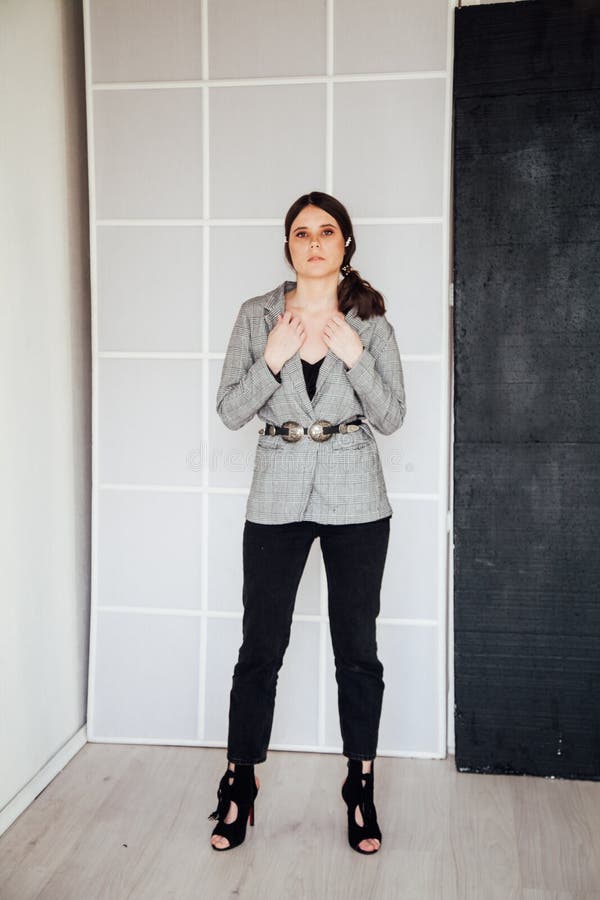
x: 42, y: 779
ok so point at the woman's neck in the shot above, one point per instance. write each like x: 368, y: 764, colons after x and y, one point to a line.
x: 315, y: 295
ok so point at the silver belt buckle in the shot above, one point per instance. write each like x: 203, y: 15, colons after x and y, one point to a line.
x: 316, y: 430
x: 295, y: 431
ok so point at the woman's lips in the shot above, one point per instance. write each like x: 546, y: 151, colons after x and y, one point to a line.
x: 316, y: 258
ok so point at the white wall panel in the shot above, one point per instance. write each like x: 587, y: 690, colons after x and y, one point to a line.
x: 267, y: 143
x: 150, y: 412
x: 149, y: 549
x: 139, y: 40
x: 389, y: 146
x: 224, y: 539
x: 410, y: 582
x: 390, y: 36
x: 146, y: 676
x: 408, y: 262
x: 148, y: 154
x: 150, y: 288
x: 411, y: 456
x: 224, y: 114
x: 410, y: 715
x: 266, y: 37
x: 259, y: 252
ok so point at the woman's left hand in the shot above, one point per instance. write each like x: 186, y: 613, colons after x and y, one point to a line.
x: 341, y: 337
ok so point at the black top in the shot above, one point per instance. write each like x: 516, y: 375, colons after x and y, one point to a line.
x: 311, y: 373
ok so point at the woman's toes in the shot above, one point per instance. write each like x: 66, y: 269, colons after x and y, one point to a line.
x: 370, y: 845
x: 219, y: 841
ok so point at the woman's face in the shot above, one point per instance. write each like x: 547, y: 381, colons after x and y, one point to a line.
x: 316, y: 243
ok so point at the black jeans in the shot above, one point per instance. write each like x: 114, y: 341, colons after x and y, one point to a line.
x: 274, y: 557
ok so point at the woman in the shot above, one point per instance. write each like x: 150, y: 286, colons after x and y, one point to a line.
x: 315, y: 359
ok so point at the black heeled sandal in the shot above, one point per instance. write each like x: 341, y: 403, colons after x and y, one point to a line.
x: 356, y: 794
x: 242, y: 791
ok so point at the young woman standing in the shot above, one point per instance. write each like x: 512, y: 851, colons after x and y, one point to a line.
x: 319, y: 362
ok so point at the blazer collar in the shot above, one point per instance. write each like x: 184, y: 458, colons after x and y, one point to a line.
x: 274, y: 304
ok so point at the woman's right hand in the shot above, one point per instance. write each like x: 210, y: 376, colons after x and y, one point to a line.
x: 285, y: 338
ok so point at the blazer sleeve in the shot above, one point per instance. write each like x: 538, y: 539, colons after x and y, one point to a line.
x: 378, y: 380
x: 245, y: 384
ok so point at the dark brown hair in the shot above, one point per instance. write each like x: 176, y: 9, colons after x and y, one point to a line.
x: 353, y: 290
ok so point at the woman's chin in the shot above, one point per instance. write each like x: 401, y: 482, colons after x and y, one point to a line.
x: 317, y: 272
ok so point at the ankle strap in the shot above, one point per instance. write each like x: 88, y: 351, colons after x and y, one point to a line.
x: 355, y: 768
x: 241, y: 772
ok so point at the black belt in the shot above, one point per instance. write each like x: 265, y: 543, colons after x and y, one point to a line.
x: 321, y: 430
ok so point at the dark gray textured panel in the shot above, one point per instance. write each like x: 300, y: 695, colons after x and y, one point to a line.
x: 544, y: 45
x: 527, y: 222
x: 527, y: 390
x: 527, y: 539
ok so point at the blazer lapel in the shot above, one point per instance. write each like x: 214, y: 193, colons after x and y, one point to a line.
x: 292, y: 374
x: 331, y: 359
x: 292, y: 368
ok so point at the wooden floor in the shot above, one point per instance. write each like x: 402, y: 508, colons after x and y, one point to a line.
x: 125, y: 822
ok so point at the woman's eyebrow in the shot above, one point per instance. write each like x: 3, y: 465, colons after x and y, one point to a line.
x: 303, y: 227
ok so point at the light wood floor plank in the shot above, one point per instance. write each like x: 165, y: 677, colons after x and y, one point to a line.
x: 127, y: 822
x: 558, y: 850
x: 484, y: 860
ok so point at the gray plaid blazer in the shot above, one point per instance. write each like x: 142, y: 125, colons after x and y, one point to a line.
x: 335, y: 482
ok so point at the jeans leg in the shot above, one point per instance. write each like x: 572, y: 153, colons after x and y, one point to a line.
x: 274, y: 557
x: 354, y: 557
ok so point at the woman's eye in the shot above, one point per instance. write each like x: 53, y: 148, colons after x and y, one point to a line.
x: 303, y: 234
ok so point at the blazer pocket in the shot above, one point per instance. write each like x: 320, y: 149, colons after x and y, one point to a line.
x: 347, y: 444
x: 359, y: 459
x: 270, y: 442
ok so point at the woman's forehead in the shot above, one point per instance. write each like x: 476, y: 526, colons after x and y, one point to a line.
x: 315, y: 215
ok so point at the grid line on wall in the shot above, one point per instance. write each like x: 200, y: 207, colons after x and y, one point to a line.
x: 445, y: 557
x: 323, y: 620
x: 254, y: 223
x: 237, y: 614
x: 421, y: 75
x: 202, y: 668
x: 94, y: 342
x: 301, y: 748
x: 329, y: 79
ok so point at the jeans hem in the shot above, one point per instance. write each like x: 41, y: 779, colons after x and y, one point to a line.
x: 245, y: 762
x: 361, y: 756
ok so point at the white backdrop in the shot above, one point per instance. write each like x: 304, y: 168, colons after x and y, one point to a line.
x: 206, y: 120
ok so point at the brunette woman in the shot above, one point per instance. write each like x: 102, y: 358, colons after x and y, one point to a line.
x: 317, y: 360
